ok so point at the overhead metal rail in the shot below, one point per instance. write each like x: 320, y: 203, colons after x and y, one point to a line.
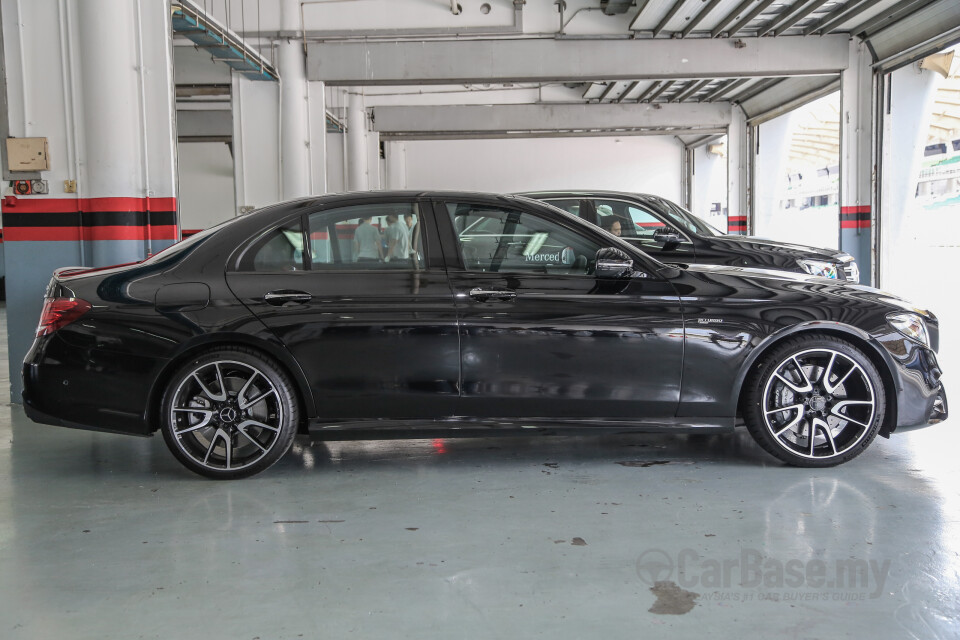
x: 224, y: 45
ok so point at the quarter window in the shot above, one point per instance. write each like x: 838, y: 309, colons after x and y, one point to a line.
x: 279, y: 250
x: 501, y: 240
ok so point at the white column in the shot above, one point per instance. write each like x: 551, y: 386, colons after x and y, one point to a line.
x: 256, y: 142
x: 357, y: 178
x: 396, y: 165
x: 294, y: 124
x: 905, y: 129
x: 856, y: 159
x: 318, y: 137
x: 109, y: 90
x: 737, y: 179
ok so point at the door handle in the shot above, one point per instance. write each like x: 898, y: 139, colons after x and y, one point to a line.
x: 483, y: 295
x: 283, y: 296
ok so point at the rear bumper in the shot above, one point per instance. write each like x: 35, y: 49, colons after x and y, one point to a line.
x: 86, y: 388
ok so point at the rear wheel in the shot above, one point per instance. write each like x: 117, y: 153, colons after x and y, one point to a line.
x: 229, y: 413
x: 815, y: 401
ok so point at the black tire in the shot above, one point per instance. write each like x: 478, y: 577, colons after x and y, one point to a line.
x: 823, y: 426
x: 229, y: 413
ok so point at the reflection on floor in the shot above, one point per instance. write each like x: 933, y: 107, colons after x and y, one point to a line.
x: 107, y: 537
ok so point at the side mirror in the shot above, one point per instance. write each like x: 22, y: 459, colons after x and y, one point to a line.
x: 613, y: 263
x: 667, y: 236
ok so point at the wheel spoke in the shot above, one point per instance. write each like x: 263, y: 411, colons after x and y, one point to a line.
x: 247, y: 404
x: 844, y: 404
x: 795, y: 388
x: 830, y: 388
x: 220, y: 433
x: 826, y: 432
x: 251, y: 439
x: 794, y: 422
x: 825, y: 376
x: 216, y: 397
x: 808, y: 386
x: 207, y: 416
x: 255, y: 423
x: 815, y: 424
x: 246, y: 385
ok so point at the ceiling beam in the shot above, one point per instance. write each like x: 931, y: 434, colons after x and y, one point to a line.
x: 730, y: 17
x: 646, y: 92
x: 549, y: 60
x: 677, y: 5
x: 747, y: 19
x: 659, y: 92
x: 633, y: 85
x: 839, y: 16
x: 891, y: 15
x: 606, y: 92
x: 447, y: 120
x: 697, y: 19
x: 726, y: 87
x: 789, y: 21
x: 690, y: 89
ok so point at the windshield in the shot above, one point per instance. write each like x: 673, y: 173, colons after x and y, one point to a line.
x: 683, y: 219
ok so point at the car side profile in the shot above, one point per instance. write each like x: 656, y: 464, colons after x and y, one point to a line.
x: 671, y: 234
x: 497, y: 314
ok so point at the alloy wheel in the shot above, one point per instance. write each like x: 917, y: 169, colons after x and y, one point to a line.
x: 818, y: 403
x: 226, y: 415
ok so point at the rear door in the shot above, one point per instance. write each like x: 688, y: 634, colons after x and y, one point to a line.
x: 374, y: 330
x: 540, y: 335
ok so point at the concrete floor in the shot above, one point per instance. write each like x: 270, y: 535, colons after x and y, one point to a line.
x: 108, y: 537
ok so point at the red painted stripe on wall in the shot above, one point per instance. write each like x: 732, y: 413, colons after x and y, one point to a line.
x: 857, y: 209
x: 742, y: 219
x: 72, y: 205
x: 854, y: 224
x: 77, y: 234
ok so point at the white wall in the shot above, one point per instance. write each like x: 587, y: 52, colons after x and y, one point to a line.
x: 710, y: 185
x: 336, y: 178
x: 206, y: 184
x: 648, y: 164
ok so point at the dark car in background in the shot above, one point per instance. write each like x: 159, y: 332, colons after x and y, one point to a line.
x: 672, y: 234
x: 506, y: 315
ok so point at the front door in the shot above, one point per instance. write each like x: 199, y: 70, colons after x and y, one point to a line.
x: 360, y: 297
x: 540, y: 335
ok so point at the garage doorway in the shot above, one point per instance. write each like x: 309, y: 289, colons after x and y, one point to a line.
x: 797, y: 179
x: 919, y: 187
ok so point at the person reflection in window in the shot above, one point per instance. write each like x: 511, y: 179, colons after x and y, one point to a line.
x: 366, y: 242
x: 398, y: 239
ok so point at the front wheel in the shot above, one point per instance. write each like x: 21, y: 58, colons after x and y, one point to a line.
x: 815, y: 401
x: 229, y: 413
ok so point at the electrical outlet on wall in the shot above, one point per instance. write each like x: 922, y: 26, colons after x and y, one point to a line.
x: 40, y: 186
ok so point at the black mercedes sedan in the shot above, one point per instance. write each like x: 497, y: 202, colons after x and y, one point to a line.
x: 401, y: 314
x: 671, y: 234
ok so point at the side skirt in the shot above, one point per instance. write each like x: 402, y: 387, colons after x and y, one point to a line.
x: 461, y: 427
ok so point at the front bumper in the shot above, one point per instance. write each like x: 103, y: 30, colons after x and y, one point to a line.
x: 921, y: 399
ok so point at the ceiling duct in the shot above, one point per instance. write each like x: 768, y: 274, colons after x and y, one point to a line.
x: 615, y: 7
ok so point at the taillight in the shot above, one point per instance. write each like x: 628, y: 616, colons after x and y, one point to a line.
x: 59, y: 312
